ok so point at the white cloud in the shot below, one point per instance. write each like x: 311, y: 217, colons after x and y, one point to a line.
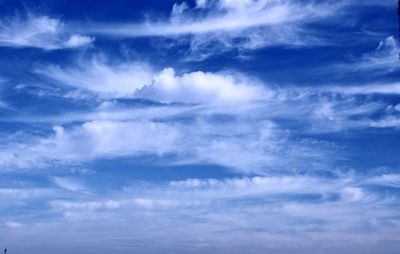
x: 92, y: 140
x: 256, y: 186
x: 69, y: 183
x: 259, y: 211
x: 13, y: 224
x: 25, y: 193
x: 223, y: 16
x: 107, y: 138
x: 201, y: 87
x: 391, y: 180
x: 384, y: 59
x: 249, y: 140
x: 386, y: 122
x: 245, y: 147
x: 383, y: 88
x: 371, y: 2
x: 35, y: 31
x: 137, y: 80
x: 102, y: 77
x: 212, y: 27
x: 78, y: 41
x: 90, y: 205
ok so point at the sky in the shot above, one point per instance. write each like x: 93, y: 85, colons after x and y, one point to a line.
x: 199, y: 126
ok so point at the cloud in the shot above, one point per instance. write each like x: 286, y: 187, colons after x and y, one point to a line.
x: 76, y: 41
x: 235, y: 164
x: 224, y: 115
x: 384, y: 59
x: 69, y: 183
x: 138, y: 80
x: 88, y: 206
x: 266, y: 212
x: 201, y: 87
x: 116, y: 130
x: 212, y: 27
x: 92, y: 140
x: 101, y: 77
x: 261, y: 145
x: 371, y: 2
x: 387, y: 122
x: 389, y: 180
x: 222, y: 16
x: 382, y: 88
x: 38, y: 31
x: 13, y: 224
x: 25, y: 193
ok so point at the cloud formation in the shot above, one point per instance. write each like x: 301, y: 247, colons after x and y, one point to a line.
x: 101, y: 77
x: 384, y: 59
x: 213, y: 27
x: 39, y: 31
x: 266, y: 213
x: 271, y: 154
x: 220, y: 16
x: 201, y: 87
x: 138, y: 80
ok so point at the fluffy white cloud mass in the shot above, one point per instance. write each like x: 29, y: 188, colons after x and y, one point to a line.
x: 202, y: 87
x: 137, y: 80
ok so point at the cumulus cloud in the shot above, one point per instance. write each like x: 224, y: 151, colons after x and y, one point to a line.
x: 39, y: 31
x: 138, y: 80
x: 202, y: 87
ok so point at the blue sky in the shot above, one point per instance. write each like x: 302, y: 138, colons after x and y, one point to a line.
x: 207, y: 126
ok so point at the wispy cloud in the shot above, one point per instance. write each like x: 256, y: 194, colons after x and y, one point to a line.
x: 225, y: 114
x: 24, y: 193
x: 39, y: 31
x: 138, y: 156
x: 101, y: 77
x: 384, y: 59
x: 383, y: 88
x: 262, y: 145
x: 68, y: 183
x: 212, y: 27
x: 220, y: 16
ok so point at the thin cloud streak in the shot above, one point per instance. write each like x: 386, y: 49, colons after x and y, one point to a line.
x: 255, y: 14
